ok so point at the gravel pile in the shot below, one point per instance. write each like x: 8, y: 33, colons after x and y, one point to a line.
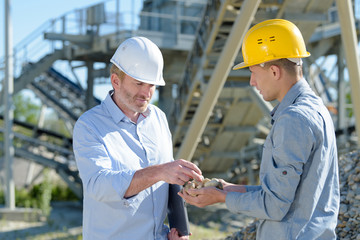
x: 348, y: 227
x: 349, y: 215
x: 247, y: 233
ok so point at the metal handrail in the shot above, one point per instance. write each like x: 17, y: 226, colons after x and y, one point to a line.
x: 118, y: 17
x: 33, y: 46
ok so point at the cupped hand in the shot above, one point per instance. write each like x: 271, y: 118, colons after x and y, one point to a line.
x: 180, y: 171
x: 204, y: 196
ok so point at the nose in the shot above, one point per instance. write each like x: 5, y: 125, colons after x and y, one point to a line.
x: 148, y: 90
x: 252, y: 81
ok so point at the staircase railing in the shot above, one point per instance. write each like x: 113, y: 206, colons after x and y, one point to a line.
x: 117, y: 14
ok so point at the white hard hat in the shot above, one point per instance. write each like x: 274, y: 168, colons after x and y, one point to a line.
x: 141, y: 59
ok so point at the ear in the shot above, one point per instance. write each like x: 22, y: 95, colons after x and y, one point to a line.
x: 275, y: 71
x: 115, y: 81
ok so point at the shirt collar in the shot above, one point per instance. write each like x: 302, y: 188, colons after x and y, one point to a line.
x: 116, y: 113
x: 290, y: 97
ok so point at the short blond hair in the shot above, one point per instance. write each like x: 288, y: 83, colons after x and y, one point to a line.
x: 115, y: 70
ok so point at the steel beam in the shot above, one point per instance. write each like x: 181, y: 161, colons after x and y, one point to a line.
x: 341, y: 121
x: 9, y: 110
x: 85, y: 40
x: 350, y: 42
x: 218, y: 78
x: 90, y: 85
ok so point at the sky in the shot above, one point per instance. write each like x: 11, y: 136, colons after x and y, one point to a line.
x: 28, y: 15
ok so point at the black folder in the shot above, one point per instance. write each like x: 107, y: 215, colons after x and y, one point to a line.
x: 177, y: 213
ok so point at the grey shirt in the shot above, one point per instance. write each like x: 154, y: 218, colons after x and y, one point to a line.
x: 299, y: 194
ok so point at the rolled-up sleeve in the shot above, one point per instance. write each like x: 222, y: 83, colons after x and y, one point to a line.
x: 286, y: 150
x: 100, y: 181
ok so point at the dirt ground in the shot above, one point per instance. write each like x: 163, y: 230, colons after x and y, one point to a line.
x: 65, y: 223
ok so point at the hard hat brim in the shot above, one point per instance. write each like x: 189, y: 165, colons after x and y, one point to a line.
x: 239, y: 66
x: 291, y: 58
x: 161, y: 81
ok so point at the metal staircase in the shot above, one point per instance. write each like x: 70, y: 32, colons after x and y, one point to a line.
x: 46, y: 147
x: 192, y: 36
x: 61, y: 94
x: 32, y: 70
x: 233, y: 125
x: 231, y: 144
x: 49, y: 149
x: 67, y: 98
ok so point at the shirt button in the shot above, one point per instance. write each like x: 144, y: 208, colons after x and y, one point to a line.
x: 284, y: 173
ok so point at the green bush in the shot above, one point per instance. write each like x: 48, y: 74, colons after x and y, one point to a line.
x: 41, y: 195
x: 62, y: 193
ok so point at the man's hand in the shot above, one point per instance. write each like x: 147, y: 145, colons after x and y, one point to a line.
x: 174, y: 235
x: 204, y: 196
x: 180, y: 171
x: 176, y: 172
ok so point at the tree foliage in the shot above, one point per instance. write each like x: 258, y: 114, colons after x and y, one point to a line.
x: 26, y: 109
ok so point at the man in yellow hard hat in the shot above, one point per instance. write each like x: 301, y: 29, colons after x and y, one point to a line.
x: 123, y: 151
x: 298, y: 196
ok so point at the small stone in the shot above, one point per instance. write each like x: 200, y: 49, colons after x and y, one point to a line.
x: 343, y: 208
x: 347, y: 168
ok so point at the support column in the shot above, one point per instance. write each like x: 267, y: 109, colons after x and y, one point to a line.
x: 90, y: 85
x: 165, y: 98
x: 341, y: 121
x: 349, y: 39
x: 9, y: 110
x: 218, y: 78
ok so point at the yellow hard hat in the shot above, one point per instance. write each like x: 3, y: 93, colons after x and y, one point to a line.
x: 270, y: 40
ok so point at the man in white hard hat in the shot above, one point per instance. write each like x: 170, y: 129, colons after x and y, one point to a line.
x: 298, y: 196
x: 123, y: 151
